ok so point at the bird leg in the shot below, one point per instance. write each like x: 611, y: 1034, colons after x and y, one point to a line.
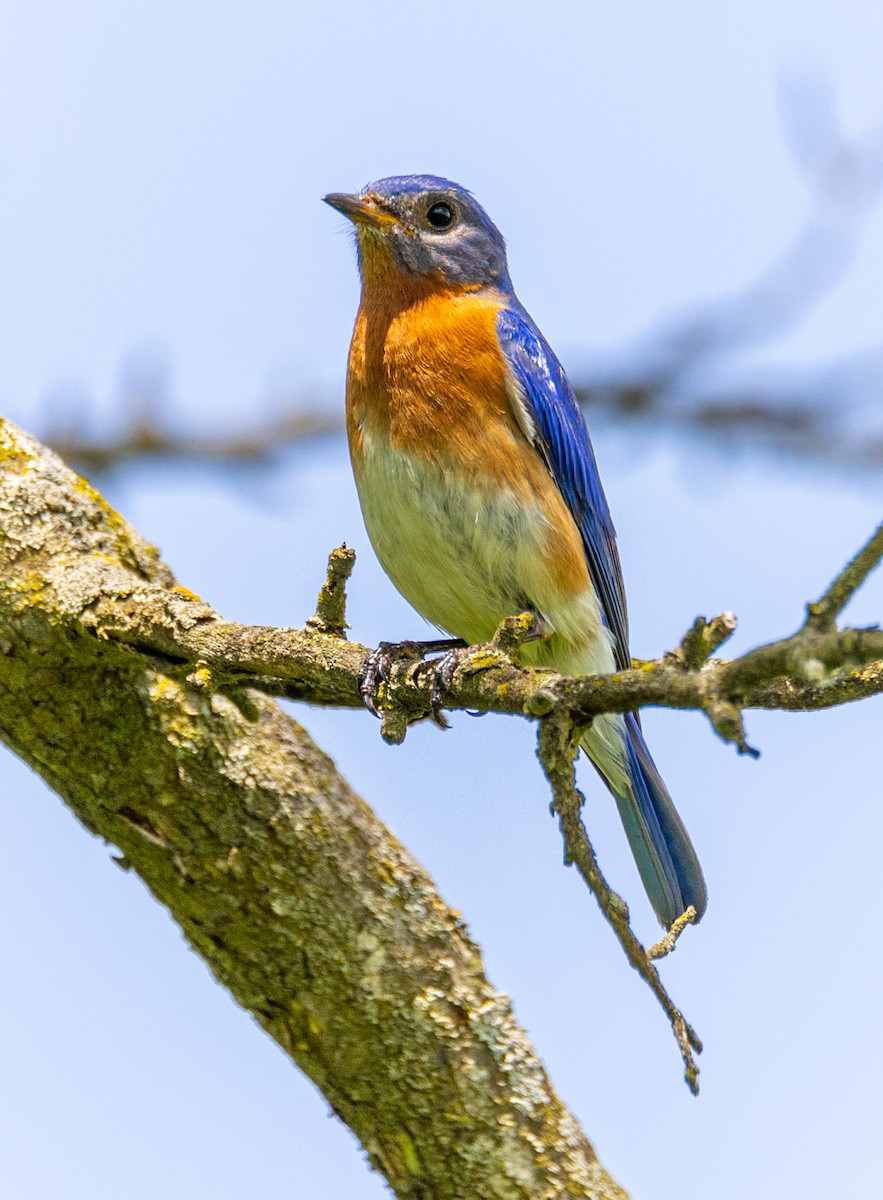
x: 377, y: 668
x: 378, y: 665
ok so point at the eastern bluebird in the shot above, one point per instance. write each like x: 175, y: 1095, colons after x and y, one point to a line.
x: 478, y: 481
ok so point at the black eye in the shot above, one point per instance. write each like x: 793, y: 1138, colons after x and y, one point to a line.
x: 440, y: 216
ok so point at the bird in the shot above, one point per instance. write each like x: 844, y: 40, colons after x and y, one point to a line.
x: 478, y: 482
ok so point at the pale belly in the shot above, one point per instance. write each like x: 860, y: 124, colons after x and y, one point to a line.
x: 466, y: 558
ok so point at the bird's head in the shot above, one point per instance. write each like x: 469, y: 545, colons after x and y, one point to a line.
x: 425, y: 226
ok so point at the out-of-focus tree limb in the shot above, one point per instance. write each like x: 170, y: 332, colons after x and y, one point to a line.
x: 682, y: 378
x: 303, y: 905
x: 149, y: 440
x: 803, y: 420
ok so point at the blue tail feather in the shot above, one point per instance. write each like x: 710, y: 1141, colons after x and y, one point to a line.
x: 663, y: 852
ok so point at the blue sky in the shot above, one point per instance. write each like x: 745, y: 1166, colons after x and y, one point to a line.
x: 160, y: 175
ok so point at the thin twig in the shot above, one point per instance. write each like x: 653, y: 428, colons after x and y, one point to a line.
x: 558, y: 746
x: 667, y: 943
x: 702, y: 639
x: 823, y: 614
x: 330, y: 615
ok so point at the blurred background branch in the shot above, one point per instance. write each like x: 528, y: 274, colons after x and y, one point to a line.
x: 691, y: 376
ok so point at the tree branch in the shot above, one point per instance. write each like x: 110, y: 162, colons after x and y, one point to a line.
x: 303, y: 905
x: 149, y: 622
x: 816, y: 667
x: 809, y: 670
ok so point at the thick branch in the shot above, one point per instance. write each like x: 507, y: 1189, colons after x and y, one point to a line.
x: 148, y: 621
x: 300, y: 901
x: 816, y: 667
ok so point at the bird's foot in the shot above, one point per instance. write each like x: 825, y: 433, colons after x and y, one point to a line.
x: 511, y: 635
x: 442, y: 671
x: 378, y: 665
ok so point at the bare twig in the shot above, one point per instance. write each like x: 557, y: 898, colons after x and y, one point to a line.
x: 667, y: 943
x: 806, y: 671
x: 702, y: 639
x: 330, y: 615
x: 822, y: 615
x: 799, y: 426
x: 150, y: 440
x: 558, y: 746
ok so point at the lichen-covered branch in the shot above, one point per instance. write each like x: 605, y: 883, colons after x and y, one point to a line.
x: 144, y: 621
x: 819, y: 666
x: 299, y: 900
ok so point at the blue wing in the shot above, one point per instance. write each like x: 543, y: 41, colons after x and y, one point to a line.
x: 551, y: 418
x: 547, y: 411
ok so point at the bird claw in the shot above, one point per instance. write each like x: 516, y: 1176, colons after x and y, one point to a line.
x: 377, y: 669
x: 443, y: 671
x: 373, y: 669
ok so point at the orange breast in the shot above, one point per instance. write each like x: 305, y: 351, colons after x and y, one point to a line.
x: 426, y: 376
x: 427, y: 379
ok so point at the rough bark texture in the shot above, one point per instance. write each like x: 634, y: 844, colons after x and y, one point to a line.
x: 300, y: 901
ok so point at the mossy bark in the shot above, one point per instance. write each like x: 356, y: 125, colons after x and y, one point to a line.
x: 299, y: 900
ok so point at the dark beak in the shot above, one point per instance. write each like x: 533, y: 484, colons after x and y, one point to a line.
x: 359, y: 210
